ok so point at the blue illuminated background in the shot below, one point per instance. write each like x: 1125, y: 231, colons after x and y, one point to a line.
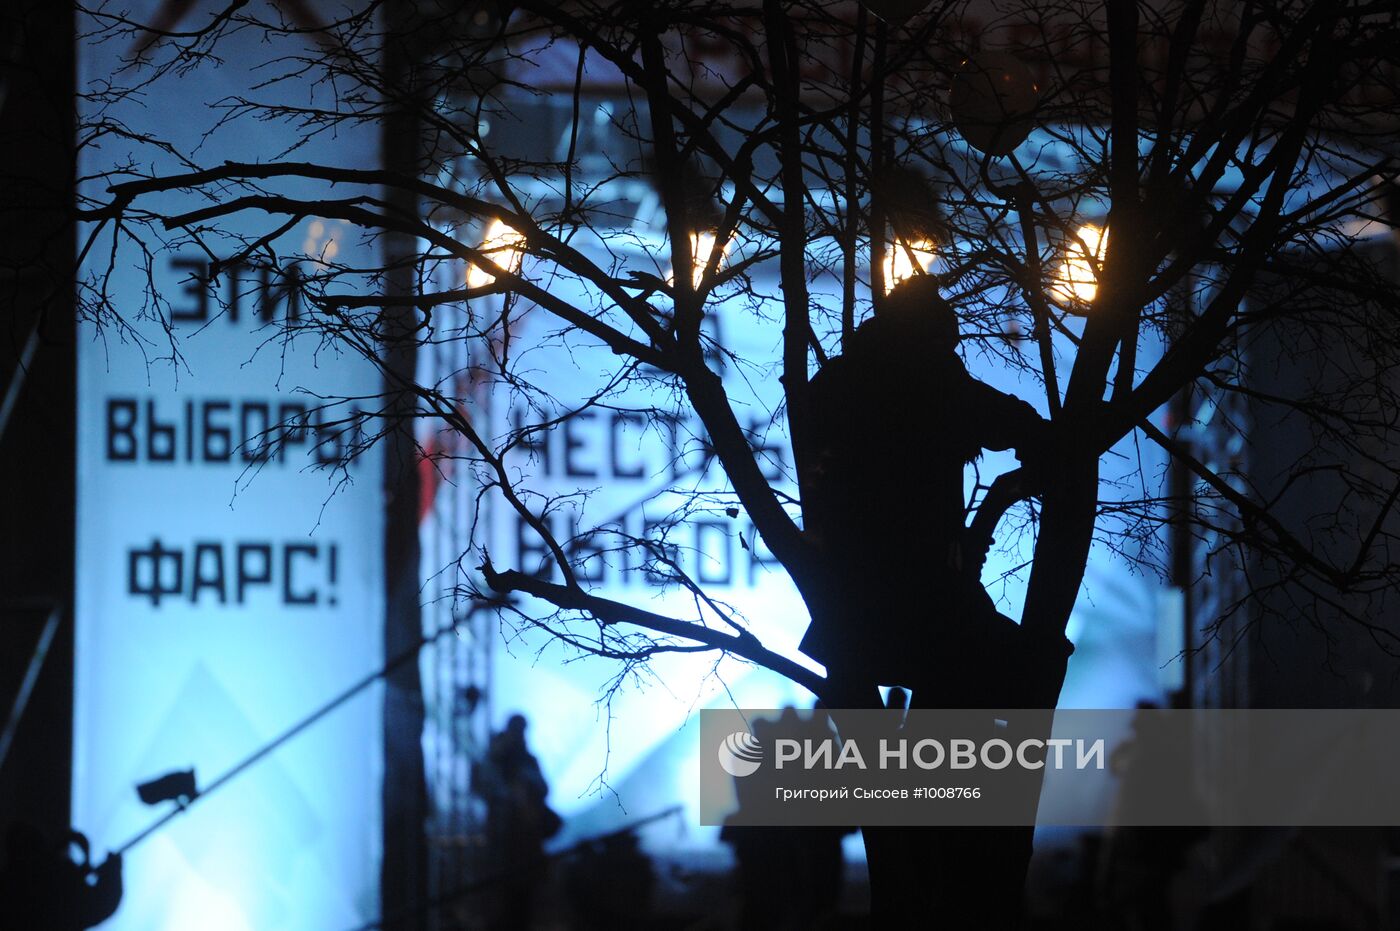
x: 178, y: 670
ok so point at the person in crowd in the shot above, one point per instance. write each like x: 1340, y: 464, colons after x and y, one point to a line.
x: 789, y: 878
x: 518, y: 822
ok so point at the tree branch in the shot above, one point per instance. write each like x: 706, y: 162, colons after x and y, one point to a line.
x: 607, y: 611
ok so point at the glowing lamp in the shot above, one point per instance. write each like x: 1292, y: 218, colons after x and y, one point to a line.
x: 503, y: 245
x: 1077, y: 280
x: 993, y: 102
x: 702, y: 249
x: 903, y: 258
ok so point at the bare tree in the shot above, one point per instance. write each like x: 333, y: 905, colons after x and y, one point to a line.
x: 1237, y: 155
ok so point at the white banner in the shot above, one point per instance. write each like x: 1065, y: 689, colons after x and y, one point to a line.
x: 226, y: 587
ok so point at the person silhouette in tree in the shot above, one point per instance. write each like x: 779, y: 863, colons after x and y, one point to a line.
x: 895, y: 420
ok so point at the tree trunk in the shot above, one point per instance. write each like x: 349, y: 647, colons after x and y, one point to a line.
x: 947, y: 877
x: 974, y: 877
